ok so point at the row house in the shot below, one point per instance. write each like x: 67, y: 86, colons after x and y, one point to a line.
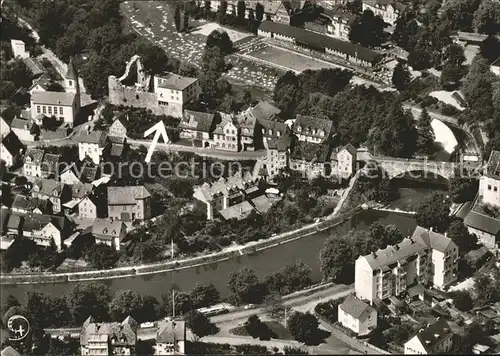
x: 85, y: 171
x: 129, y: 203
x: 388, y: 10
x: 23, y: 205
x: 225, y: 193
x: 11, y: 149
x: 277, y: 156
x: 424, y: 258
x: 198, y: 126
x: 227, y: 133
x: 175, y: 91
x: 44, y: 230
x: 109, y: 232
x: 37, y: 163
x: 312, y: 129
x: 486, y: 226
x: 108, y: 338
x: 50, y: 189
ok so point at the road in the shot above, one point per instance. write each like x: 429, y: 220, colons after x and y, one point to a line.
x: 417, y: 111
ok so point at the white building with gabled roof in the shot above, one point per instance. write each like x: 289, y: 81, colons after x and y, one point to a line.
x: 436, y: 338
x: 175, y: 91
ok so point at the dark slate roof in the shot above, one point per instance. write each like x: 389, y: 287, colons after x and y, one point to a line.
x: 81, y: 190
x: 12, y: 144
x: 14, y: 221
x: 171, y: 332
x: 281, y: 144
x: 320, y: 41
x: 36, y: 222
x: 198, y: 121
x: 71, y: 73
x: 356, y: 308
x: 493, y: 166
x: 50, y: 162
x: 53, y: 98
x: 35, y: 154
x: 273, y: 125
x: 126, y: 195
x: 433, y: 334
x: 433, y: 239
x: 263, y: 110
x: 107, y: 230
x: 97, y: 137
x: 48, y: 186
x: 311, y: 125
x: 482, y: 222
x: 9, y: 113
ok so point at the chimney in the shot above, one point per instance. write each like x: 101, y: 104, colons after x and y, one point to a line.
x: 374, y: 254
x: 431, y: 229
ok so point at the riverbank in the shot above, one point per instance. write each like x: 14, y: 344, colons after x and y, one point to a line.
x: 176, y: 265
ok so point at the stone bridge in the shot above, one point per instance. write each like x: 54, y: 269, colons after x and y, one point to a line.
x: 398, y: 167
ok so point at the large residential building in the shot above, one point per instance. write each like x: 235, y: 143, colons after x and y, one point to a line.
x: 129, y: 203
x: 227, y: 133
x: 176, y: 91
x: 426, y: 258
x: 197, y: 126
x: 388, y: 10
x: 108, y: 338
x: 483, y: 218
x: 247, y: 122
x: 277, y: 156
x: 11, y: 149
x: 109, y: 233
x: 312, y: 129
x: 170, y: 338
x: 92, y: 145
x: 350, y: 52
x: 436, y: 338
x: 357, y: 315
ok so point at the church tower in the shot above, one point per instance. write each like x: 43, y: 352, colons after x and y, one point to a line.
x: 71, y: 81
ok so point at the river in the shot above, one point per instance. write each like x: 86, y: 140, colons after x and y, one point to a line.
x: 263, y: 262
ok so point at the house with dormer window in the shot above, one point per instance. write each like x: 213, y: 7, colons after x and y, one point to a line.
x: 312, y: 129
x: 436, y: 338
x: 109, y: 232
x: 46, y: 229
x: 57, y: 192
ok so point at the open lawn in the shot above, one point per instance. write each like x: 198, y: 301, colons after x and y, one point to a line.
x: 293, y: 61
x: 277, y: 329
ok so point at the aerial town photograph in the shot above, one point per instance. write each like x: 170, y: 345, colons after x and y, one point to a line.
x: 259, y: 177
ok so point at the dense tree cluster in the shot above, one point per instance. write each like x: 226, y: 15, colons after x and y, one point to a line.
x: 434, y: 211
x: 304, y: 327
x: 340, y: 252
x: 367, y: 30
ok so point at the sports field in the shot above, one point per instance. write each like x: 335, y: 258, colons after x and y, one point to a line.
x: 291, y: 60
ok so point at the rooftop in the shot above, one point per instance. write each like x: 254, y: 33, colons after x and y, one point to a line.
x: 207, y: 191
x: 124, y: 333
x: 175, y: 81
x: 311, y: 152
x: 195, y: 120
x: 482, y: 222
x: 171, y: 331
x: 493, y: 166
x: 263, y: 110
x: 432, y: 239
x: 356, y: 308
x: 127, y: 195
x: 12, y: 144
x: 433, y: 334
x: 281, y: 144
x: 34, y: 155
x: 96, y: 137
x: 320, y: 41
x: 48, y: 187
x: 106, y: 229
x: 312, y: 126
x: 239, y: 211
x: 53, y: 98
